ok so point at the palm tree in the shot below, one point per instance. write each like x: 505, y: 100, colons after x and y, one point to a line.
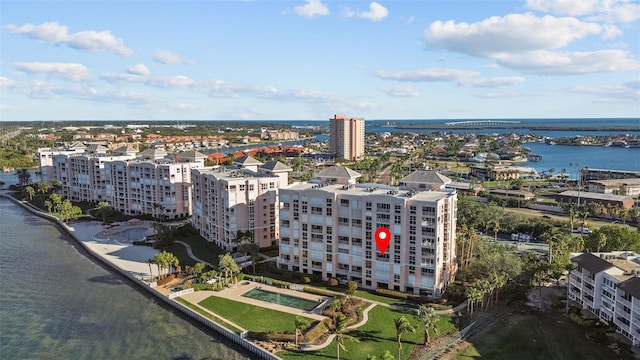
x: 402, y: 326
x: 301, y: 323
x: 103, y: 209
x: 30, y: 191
x: 24, y: 177
x: 341, y: 335
x: 150, y: 261
x: 55, y: 184
x: 43, y: 188
x: 428, y: 317
x: 48, y: 204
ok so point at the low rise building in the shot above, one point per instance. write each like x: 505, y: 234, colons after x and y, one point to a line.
x: 607, y: 285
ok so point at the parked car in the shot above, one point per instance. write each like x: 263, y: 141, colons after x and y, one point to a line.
x: 584, y: 230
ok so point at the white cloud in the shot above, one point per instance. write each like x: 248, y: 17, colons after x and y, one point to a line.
x: 569, y: 63
x: 168, y: 57
x: 493, y: 82
x: 514, y: 33
x: 69, y: 71
x: 603, y: 10
x: 400, y: 91
x: 128, y: 77
x: 6, y: 107
x: 176, y: 81
x: 6, y: 82
x: 138, y: 69
x: 45, y: 90
x: 621, y: 93
x: 427, y: 75
x: 376, y: 12
x: 465, y: 78
x: 185, y: 107
x: 54, y: 33
x: 312, y: 8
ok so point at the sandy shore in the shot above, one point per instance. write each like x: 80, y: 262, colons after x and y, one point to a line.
x: 127, y: 257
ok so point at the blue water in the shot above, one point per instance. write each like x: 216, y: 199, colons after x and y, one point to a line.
x: 573, y: 158
x: 134, y: 234
x: 281, y: 299
x: 57, y: 304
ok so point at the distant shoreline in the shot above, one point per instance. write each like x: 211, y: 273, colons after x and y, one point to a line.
x: 500, y: 125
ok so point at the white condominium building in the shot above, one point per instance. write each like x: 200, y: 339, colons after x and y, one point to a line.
x: 346, y: 137
x: 327, y: 228
x: 239, y: 203
x: 148, y: 183
x: 45, y: 156
x: 82, y: 176
x: 608, y: 286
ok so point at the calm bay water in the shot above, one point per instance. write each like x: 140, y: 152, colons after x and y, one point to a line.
x: 57, y: 304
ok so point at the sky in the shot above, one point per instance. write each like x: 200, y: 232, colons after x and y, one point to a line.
x: 308, y: 60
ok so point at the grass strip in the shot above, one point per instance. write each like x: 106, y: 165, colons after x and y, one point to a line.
x: 251, y: 317
x: 207, y: 315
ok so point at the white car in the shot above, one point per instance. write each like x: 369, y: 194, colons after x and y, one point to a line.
x: 584, y: 230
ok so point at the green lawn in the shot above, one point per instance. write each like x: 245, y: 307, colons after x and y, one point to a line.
x: 207, y: 315
x: 383, y: 299
x: 201, y: 248
x: 376, y: 336
x: 537, y: 336
x: 250, y: 317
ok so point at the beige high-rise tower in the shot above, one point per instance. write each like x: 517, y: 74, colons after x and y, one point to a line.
x: 347, y: 137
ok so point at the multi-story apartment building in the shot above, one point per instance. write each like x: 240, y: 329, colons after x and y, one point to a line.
x: 82, y: 176
x: 238, y: 203
x: 45, y: 155
x: 346, y: 137
x: 148, y: 183
x: 607, y: 285
x: 327, y: 228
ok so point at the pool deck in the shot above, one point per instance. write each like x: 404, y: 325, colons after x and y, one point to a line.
x: 123, y: 255
x: 132, y: 259
x: 235, y: 293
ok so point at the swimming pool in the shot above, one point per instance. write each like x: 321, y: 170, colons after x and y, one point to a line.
x: 281, y: 299
x: 133, y: 234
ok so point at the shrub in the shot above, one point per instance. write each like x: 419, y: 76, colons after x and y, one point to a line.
x: 393, y: 293
x: 333, y: 282
x: 316, y: 291
x: 316, y: 331
x: 352, y: 286
x: 306, y: 280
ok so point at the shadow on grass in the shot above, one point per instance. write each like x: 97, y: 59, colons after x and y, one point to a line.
x: 368, y: 335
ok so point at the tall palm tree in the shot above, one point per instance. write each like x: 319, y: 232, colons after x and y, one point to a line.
x: 402, y: 326
x: 43, y: 188
x: 103, y: 209
x: 150, y: 261
x: 301, y: 323
x: 340, y: 332
x: 30, y: 191
x: 428, y: 317
x: 24, y: 177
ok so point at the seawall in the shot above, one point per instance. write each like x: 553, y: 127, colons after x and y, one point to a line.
x: 258, y: 351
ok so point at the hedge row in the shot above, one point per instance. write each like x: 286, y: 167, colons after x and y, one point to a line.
x: 317, y: 291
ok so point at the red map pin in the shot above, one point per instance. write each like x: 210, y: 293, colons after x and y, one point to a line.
x: 383, y: 236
